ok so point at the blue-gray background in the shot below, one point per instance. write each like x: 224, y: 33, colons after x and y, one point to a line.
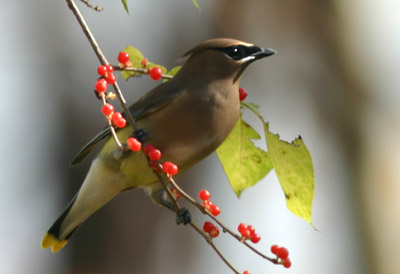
x: 335, y: 81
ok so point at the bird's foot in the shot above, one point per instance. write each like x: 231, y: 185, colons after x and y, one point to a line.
x: 183, y: 216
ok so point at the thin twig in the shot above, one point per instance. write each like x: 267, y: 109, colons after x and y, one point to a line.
x: 103, y: 60
x: 141, y: 70
x: 211, y: 243
x: 87, y: 3
x: 87, y: 32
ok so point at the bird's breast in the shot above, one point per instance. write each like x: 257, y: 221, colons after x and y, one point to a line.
x: 193, y: 125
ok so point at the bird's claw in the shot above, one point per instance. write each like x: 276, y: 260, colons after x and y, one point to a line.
x: 183, y: 216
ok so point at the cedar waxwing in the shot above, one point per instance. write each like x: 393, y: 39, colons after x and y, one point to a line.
x: 187, y: 118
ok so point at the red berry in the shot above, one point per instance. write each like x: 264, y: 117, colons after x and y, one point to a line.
x: 121, y: 123
x: 242, y: 227
x: 116, y: 116
x: 251, y: 229
x: 107, y: 109
x: 110, y: 69
x: 214, y: 232
x: 255, y: 238
x: 133, y: 144
x: 215, y: 210
x: 101, y: 85
x: 170, y: 168
x: 101, y: 70
x: 246, y: 234
x: 155, y: 155
x: 111, y: 78
x: 246, y: 272
x: 207, y: 227
x: 287, y: 263
x: 123, y: 57
x: 242, y: 94
x: 148, y: 148
x: 274, y: 249
x: 204, y: 195
x: 282, y: 253
x: 118, y: 120
x: 155, y: 73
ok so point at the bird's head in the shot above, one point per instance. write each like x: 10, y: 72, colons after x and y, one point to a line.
x: 222, y: 58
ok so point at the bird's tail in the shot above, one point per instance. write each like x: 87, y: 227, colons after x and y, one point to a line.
x: 100, y: 186
x: 51, y: 238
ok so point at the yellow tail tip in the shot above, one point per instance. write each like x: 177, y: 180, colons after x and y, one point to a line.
x: 51, y: 241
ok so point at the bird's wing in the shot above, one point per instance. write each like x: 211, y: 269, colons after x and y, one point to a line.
x: 153, y: 101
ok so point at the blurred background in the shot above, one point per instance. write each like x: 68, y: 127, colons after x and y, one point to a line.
x: 335, y: 81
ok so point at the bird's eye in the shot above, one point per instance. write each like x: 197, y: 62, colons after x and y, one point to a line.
x: 236, y: 53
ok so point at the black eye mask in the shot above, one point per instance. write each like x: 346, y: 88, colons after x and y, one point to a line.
x: 239, y: 52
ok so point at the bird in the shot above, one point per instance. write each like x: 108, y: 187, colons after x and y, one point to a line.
x: 186, y: 118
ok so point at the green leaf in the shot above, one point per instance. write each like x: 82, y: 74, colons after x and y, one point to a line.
x: 125, y: 3
x: 173, y: 72
x: 243, y: 163
x: 293, y: 166
x: 136, y: 57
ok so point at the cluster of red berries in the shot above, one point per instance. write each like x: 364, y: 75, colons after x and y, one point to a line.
x: 248, y: 232
x: 204, y: 195
x: 283, y: 254
x: 108, y: 77
x: 116, y: 117
x: 154, y: 155
x: 242, y: 94
x: 211, y: 229
x: 133, y: 144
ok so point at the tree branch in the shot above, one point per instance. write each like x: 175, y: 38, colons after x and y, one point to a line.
x: 100, y: 56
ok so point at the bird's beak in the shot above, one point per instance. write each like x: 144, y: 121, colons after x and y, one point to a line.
x: 263, y: 53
